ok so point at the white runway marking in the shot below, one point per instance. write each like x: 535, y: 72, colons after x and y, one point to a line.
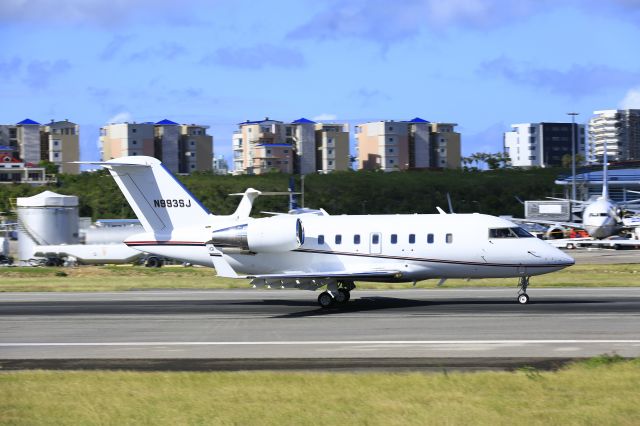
x: 326, y: 342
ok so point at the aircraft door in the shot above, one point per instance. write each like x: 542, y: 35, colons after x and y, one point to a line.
x: 375, y: 243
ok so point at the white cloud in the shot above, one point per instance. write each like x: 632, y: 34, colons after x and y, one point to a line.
x: 631, y: 99
x: 121, y: 117
x: 102, y: 12
x: 325, y: 117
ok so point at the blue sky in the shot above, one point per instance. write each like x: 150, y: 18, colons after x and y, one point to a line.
x: 483, y: 64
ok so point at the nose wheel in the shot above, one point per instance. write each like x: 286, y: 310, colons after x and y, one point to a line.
x: 523, y: 297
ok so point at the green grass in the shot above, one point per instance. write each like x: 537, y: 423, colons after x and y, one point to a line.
x: 123, y: 278
x: 593, y: 392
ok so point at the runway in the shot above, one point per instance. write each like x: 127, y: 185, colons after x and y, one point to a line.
x: 283, y: 324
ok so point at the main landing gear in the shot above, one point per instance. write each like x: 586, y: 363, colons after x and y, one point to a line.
x: 523, y: 297
x: 336, y: 294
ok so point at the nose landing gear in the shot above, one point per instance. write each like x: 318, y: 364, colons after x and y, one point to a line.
x: 523, y: 297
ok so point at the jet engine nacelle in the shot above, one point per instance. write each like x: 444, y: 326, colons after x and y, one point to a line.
x: 275, y: 234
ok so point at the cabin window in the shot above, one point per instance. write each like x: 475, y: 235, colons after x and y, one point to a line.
x: 338, y: 239
x: 514, y: 232
x: 375, y: 239
x: 356, y: 239
x: 430, y: 238
x: 412, y: 238
x: 320, y: 239
x: 449, y: 238
x: 394, y: 238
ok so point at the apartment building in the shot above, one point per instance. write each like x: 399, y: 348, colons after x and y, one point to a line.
x: 259, y: 147
x: 619, y: 130
x: 332, y: 147
x: 301, y: 146
x: 57, y: 142
x: 401, y: 145
x: 183, y: 148
x: 60, y: 144
x: 543, y: 144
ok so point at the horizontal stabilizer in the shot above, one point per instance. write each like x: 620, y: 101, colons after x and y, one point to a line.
x: 109, y: 163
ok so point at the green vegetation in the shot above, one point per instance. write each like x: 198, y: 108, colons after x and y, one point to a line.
x: 123, y: 278
x: 593, y: 392
x: 490, y: 192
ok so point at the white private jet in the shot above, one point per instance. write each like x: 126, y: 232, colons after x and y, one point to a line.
x: 312, y: 250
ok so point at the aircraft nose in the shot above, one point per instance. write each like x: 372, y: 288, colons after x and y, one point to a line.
x: 566, y: 259
x: 560, y: 258
x: 551, y: 256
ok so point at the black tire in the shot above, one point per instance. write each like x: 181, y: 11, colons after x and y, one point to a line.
x: 152, y: 262
x: 523, y: 299
x: 342, y: 296
x: 325, y: 300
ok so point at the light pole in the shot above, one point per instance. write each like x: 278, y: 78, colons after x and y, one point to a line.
x: 573, y: 153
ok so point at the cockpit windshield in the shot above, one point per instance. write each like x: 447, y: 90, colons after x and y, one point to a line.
x: 515, y: 232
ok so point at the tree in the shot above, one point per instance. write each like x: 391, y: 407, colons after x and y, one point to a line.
x: 49, y: 167
x: 566, y: 160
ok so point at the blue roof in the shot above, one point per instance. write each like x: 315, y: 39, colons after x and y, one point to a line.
x: 28, y: 121
x: 303, y: 121
x: 418, y: 120
x: 6, y: 148
x: 258, y: 122
x: 595, y: 176
x: 166, y: 122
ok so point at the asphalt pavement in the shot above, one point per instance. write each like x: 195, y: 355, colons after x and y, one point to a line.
x: 286, y: 327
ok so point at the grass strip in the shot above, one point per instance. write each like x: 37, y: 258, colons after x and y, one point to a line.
x: 603, y: 390
x: 114, y: 278
x: 123, y: 278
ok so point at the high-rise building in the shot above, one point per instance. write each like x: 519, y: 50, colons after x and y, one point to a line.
x: 183, y: 148
x: 57, y: 142
x: 543, y: 144
x: 619, y: 130
x: 401, y: 145
x: 302, y: 146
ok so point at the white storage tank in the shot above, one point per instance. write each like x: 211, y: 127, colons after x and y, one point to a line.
x: 45, y: 219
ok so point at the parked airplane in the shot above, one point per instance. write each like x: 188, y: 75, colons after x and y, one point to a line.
x: 601, y: 217
x: 312, y: 250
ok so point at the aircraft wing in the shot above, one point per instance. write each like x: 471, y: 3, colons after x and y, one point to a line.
x: 350, y: 275
x: 549, y: 222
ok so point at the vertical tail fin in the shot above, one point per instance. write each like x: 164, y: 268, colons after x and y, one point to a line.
x: 159, y: 200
